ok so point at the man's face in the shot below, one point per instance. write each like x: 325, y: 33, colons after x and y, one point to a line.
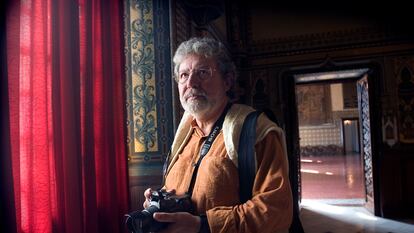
x: 202, y: 88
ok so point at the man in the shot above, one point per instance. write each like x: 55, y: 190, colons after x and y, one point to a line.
x: 206, y: 76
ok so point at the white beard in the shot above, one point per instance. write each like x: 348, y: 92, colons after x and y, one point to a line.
x: 198, y: 106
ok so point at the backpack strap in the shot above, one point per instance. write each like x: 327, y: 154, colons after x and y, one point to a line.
x: 246, y: 156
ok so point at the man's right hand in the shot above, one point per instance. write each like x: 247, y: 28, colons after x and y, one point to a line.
x: 148, y: 193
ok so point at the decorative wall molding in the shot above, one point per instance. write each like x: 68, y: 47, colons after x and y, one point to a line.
x: 328, y: 41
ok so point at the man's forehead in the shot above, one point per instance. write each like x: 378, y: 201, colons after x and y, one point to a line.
x: 197, y: 61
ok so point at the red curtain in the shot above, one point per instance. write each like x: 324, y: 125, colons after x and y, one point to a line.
x: 66, y: 131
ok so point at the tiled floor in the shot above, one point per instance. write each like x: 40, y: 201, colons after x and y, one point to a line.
x: 332, y: 177
x: 333, y: 198
x: 317, y: 217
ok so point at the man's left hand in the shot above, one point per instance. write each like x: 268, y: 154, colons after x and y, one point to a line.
x: 179, y: 222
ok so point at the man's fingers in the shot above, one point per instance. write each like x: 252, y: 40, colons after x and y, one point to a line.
x: 171, y: 191
x: 165, y: 217
x: 147, y: 195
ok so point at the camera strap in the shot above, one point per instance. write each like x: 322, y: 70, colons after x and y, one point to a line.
x: 207, y: 145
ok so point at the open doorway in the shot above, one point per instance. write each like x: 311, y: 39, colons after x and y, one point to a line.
x: 331, y: 164
x: 350, y: 135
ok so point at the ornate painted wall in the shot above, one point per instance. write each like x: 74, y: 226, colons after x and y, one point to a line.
x: 314, y: 104
x: 148, y: 88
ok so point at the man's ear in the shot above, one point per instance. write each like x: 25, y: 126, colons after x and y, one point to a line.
x: 229, y: 80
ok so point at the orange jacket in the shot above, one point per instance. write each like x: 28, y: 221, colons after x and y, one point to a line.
x: 216, y: 190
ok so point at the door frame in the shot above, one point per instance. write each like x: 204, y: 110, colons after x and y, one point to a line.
x: 289, y: 108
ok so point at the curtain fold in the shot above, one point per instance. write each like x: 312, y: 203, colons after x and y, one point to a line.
x: 66, y: 115
x: 7, y: 205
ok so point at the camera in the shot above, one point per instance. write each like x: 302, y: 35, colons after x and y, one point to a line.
x: 160, y: 201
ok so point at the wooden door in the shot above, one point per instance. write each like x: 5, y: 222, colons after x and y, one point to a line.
x: 366, y: 141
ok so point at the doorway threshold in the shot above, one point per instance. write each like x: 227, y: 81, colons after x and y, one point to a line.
x: 338, y: 202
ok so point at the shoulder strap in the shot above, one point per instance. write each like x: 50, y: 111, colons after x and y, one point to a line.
x: 246, y: 156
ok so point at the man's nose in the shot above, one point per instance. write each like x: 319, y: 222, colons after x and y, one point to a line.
x: 193, y: 80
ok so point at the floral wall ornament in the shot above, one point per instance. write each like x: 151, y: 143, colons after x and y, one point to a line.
x: 148, y: 80
x: 143, y: 77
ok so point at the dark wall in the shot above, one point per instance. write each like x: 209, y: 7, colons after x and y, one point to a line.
x: 280, y: 41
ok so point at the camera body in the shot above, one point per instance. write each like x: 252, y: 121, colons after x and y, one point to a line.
x: 160, y: 201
